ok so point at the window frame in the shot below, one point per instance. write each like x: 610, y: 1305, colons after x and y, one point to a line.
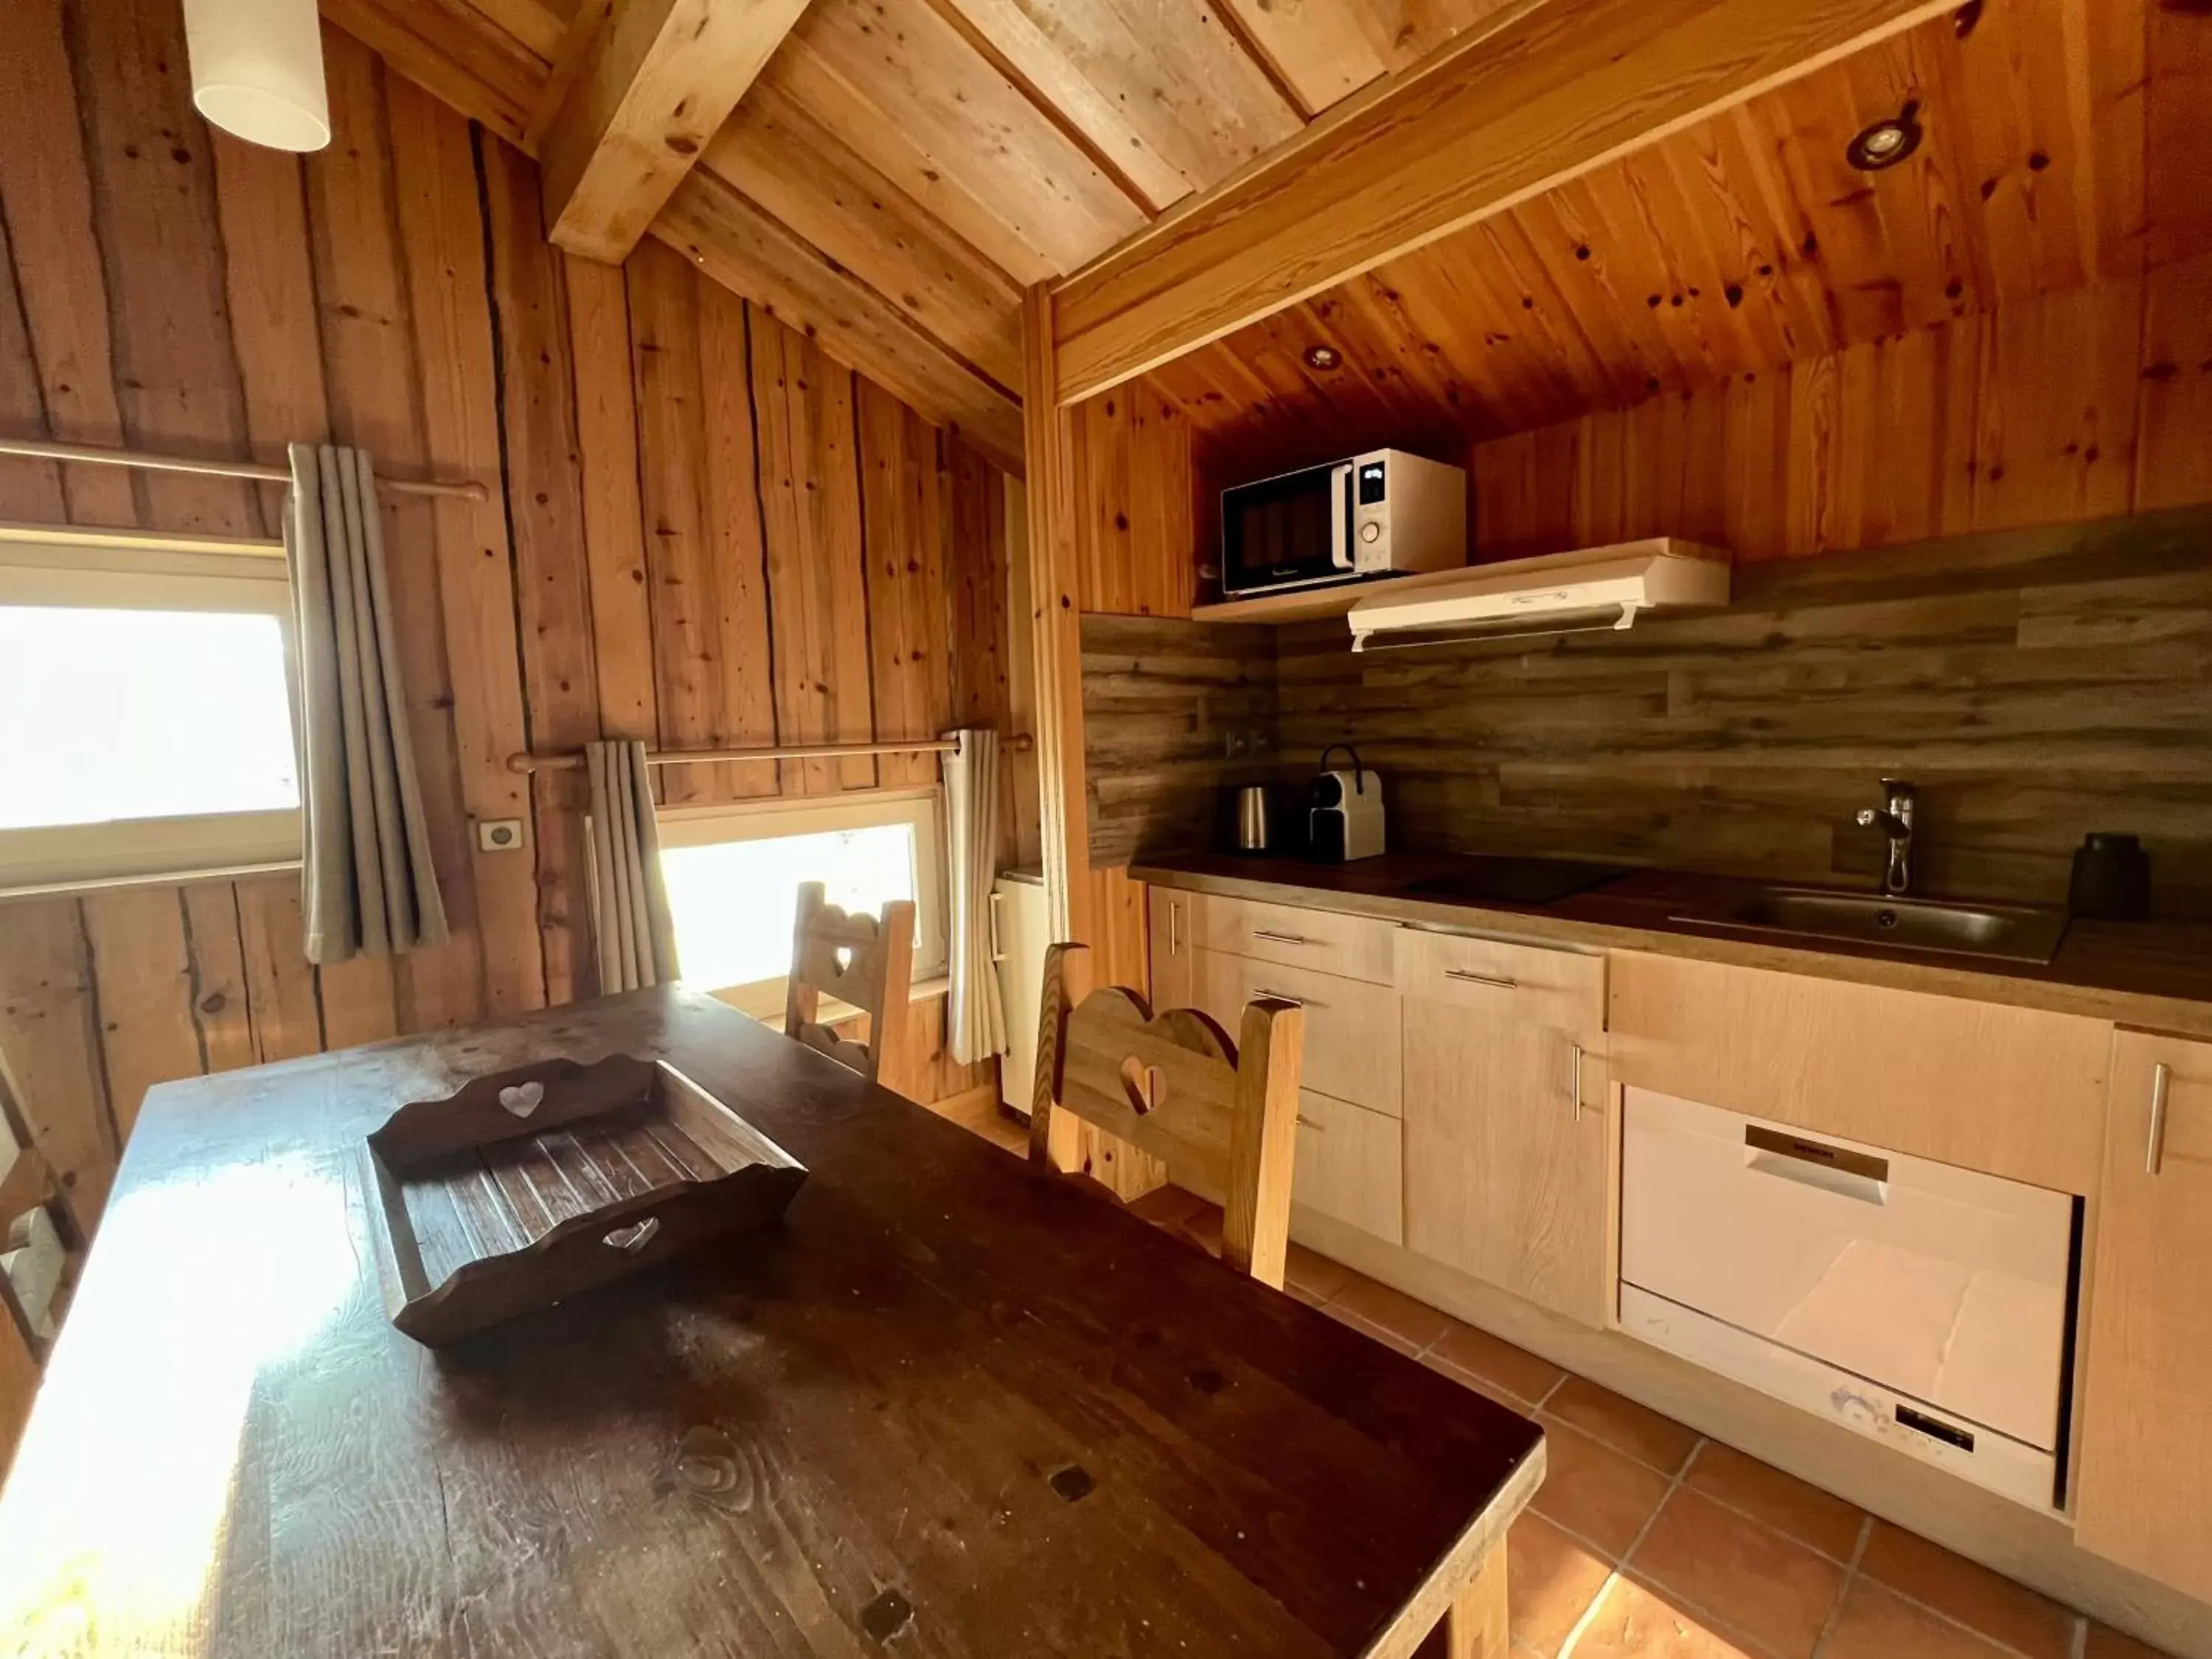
x: 65, y: 568
x: 774, y: 817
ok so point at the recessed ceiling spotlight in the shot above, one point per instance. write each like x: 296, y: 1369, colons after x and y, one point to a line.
x: 1886, y: 144
x: 1323, y: 356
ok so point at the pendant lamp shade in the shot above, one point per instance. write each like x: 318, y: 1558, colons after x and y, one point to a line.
x: 258, y: 70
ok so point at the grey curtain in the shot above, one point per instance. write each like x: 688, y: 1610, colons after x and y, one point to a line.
x: 630, y: 922
x: 974, y: 1019
x: 368, y: 888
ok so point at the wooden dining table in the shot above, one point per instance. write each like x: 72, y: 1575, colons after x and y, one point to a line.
x: 949, y: 1406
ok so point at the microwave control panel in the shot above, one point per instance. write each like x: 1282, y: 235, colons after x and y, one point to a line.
x: 1407, y: 513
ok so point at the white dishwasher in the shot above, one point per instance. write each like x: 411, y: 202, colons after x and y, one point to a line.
x: 1928, y: 1306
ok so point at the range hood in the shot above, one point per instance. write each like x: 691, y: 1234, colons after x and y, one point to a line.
x: 1592, y: 588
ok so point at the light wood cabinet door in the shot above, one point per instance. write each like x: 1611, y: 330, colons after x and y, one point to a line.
x: 1508, y: 1150
x: 1170, y: 918
x: 1329, y: 941
x: 1351, y: 1026
x: 1350, y: 1167
x: 2147, y: 1417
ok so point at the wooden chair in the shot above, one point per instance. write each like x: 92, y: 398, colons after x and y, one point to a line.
x: 41, y: 1249
x: 864, y: 962
x: 1224, y: 1115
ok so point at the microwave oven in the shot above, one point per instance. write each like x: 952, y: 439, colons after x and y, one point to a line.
x: 1375, y: 514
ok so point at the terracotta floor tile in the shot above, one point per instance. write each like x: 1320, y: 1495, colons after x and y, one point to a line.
x: 1550, y: 1582
x: 1635, y: 1621
x: 1167, y: 1207
x: 1202, y: 1227
x: 1318, y: 1276
x: 1412, y: 1322
x: 1876, y: 1625
x: 1959, y: 1588
x: 1782, y: 1501
x: 1772, y: 1588
x: 1595, y: 1492
x: 1498, y: 1361
x: 2106, y: 1643
x: 1482, y: 1386
x: 1623, y: 1424
x: 1369, y: 1328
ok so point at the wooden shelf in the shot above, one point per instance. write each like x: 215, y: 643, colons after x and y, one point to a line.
x: 1304, y: 605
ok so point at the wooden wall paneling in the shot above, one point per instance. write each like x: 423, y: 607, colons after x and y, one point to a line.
x: 902, y: 531
x: 270, y: 282
x: 142, y: 964
x: 283, y: 997
x: 817, y: 592
x: 1324, y: 53
x: 30, y: 491
x: 217, y: 994
x: 979, y: 660
x: 539, y: 404
x: 614, y: 542
x: 797, y: 168
x: 50, y: 1026
x: 372, y: 367
x: 748, y: 252
x: 176, y: 382
x: 442, y: 244
x: 1024, y: 774
x: 2177, y: 81
x: 2056, y: 409
x: 2173, y: 463
x: 45, y: 189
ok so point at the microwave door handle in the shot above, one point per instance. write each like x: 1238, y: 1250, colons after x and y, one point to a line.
x: 1339, y: 517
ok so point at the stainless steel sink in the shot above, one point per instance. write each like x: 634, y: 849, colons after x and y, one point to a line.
x: 2007, y: 933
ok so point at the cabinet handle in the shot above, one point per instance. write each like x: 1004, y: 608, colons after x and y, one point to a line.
x: 1283, y: 939
x: 1494, y: 984
x: 1175, y: 916
x: 998, y: 950
x: 1283, y: 996
x: 1575, y: 1082
x: 2161, y: 1076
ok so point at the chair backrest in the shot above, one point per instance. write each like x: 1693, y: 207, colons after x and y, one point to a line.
x: 38, y: 1234
x: 1222, y: 1114
x: 864, y: 962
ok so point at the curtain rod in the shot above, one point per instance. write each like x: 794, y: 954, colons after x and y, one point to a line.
x: 39, y: 449
x: 569, y: 761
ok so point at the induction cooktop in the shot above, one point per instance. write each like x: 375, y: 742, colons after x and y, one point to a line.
x: 1518, y: 881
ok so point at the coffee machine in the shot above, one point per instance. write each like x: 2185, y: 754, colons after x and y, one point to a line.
x: 1343, y: 811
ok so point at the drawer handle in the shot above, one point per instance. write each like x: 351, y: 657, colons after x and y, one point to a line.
x: 1175, y: 915
x: 1283, y: 996
x: 1575, y: 1083
x: 1491, y: 980
x: 1283, y: 939
x: 1814, y: 1164
x: 1306, y: 1122
x: 998, y: 945
x: 2161, y: 1078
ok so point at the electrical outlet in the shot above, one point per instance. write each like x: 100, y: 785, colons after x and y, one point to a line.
x: 500, y: 835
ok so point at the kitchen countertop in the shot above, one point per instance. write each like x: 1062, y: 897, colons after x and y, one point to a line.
x: 2157, y: 974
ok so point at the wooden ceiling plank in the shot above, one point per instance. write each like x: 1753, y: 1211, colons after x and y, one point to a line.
x: 733, y: 241
x: 1542, y: 93
x: 658, y: 84
x: 452, y: 51
x: 570, y: 58
x: 807, y: 177
x: 911, y: 81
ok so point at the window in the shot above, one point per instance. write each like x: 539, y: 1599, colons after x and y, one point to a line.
x: 733, y: 875
x: 145, y: 708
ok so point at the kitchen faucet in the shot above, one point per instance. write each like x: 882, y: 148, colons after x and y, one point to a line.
x: 1893, y: 817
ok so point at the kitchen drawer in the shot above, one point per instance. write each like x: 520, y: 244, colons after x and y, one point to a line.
x: 1352, y: 1027
x: 1355, y: 947
x: 1350, y: 1167
x: 1563, y: 990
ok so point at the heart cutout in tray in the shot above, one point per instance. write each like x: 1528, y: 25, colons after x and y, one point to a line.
x: 523, y: 1099
x: 635, y: 1237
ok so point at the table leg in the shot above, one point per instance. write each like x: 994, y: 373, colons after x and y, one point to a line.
x: 1475, y: 1628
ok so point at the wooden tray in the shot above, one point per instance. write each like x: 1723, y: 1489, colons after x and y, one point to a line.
x: 531, y: 1185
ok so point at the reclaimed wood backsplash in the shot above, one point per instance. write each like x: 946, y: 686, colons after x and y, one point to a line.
x: 2034, y: 684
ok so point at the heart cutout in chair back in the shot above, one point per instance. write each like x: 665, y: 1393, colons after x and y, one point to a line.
x: 523, y: 1099
x: 635, y: 1237
x: 843, y: 956
x: 1146, y: 1085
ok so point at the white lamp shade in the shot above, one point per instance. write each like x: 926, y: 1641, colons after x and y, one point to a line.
x: 258, y: 70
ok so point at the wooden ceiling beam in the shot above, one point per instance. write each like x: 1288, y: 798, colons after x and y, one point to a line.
x: 661, y: 77
x: 1538, y: 94
x: 751, y: 254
